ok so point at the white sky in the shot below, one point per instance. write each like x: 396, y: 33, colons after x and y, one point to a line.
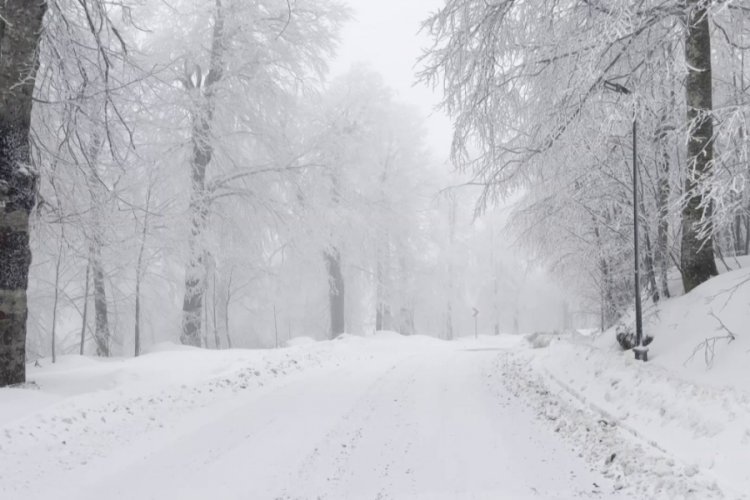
x: 384, y: 34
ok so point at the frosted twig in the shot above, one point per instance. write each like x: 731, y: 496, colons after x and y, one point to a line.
x: 708, y: 346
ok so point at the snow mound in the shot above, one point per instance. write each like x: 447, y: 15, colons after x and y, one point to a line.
x: 638, y: 467
x: 299, y: 341
x: 691, y: 401
x: 540, y: 340
x: 703, y: 335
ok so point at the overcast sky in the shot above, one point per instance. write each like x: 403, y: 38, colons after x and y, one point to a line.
x: 384, y: 34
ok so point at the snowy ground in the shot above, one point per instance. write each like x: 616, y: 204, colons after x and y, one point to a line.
x: 372, y: 418
x: 691, y: 401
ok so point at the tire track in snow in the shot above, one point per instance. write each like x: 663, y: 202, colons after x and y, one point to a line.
x: 331, y: 457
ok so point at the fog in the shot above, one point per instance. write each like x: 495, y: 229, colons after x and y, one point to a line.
x: 224, y: 193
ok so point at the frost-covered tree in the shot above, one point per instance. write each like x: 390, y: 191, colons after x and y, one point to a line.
x: 527, y: 84
x: 240, y: 65
x: 371, y: 150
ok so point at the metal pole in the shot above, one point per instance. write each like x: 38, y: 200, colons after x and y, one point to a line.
x: 639, y: 352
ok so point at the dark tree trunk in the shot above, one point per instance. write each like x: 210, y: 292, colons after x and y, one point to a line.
x: 101, y: 319
x: 20, y: 26
x: 697, y: 259
x: 195, y: 272
x: 336, y: 292
x: 739, y: 236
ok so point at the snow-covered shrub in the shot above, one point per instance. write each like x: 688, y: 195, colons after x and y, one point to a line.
x: 626, y: 337
x: 539, y: 340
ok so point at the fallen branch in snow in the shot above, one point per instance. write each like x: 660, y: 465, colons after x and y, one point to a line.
x: 730, y: 333
x: 708, y: 346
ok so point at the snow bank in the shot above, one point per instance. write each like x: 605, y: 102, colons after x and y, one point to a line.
x: 692, y: 333
x: 692, y: 399
x: 640, y: 468
x: 89, y: 417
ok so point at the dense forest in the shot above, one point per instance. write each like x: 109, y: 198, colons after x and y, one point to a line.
x: 190, y: 169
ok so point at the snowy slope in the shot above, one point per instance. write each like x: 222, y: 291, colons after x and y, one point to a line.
x: 692, y: 399
x: 683, y: 324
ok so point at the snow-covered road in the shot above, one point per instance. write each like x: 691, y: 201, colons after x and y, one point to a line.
x: 400, y: 419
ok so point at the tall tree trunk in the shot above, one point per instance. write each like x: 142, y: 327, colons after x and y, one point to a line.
x: 101, y: 319
x: 84, y: 316
x: 227, y: 302
x: 336, y: 292
x: 139, y: 270
x: 195, y: 272
x: 737, y: 239
x: 204, y: 342
x: 137, y: 336
x: 20, y: 26
x: 97, y: 199
x: 56, y: 301
x: 697, y: 259
x: 738, y: 85
x: 217, y: 339
x: 661, y: 253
